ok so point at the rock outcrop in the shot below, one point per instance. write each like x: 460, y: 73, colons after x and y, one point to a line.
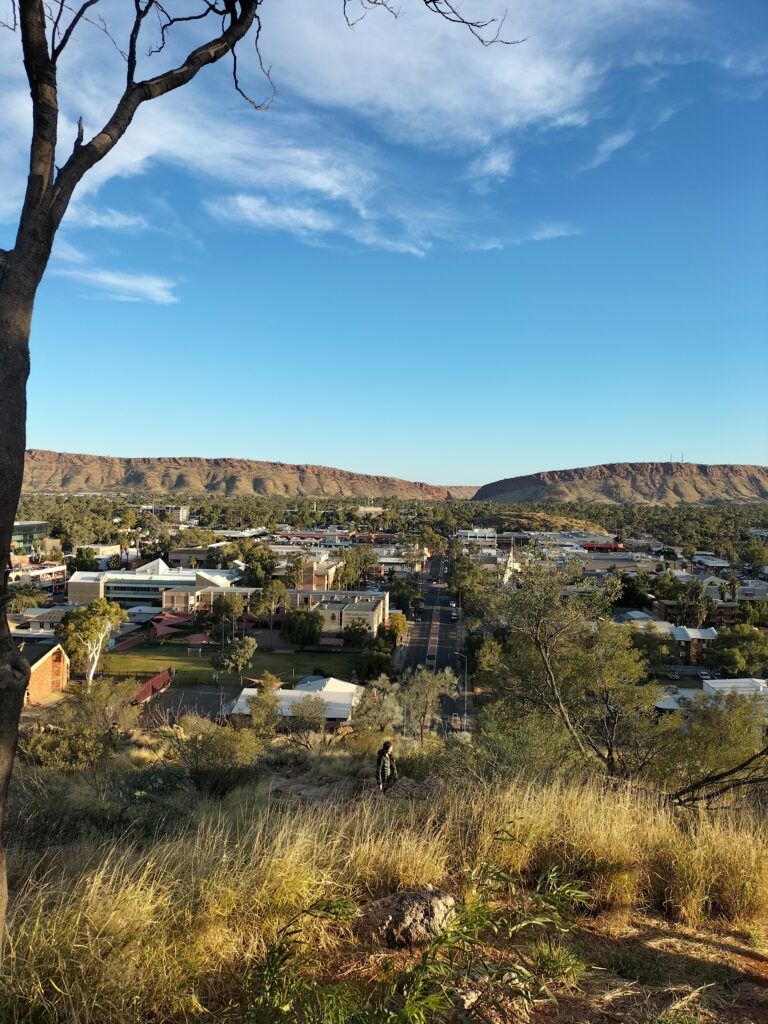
x: 663, y: 483
x: 410, y: 918
x: 68, y: 473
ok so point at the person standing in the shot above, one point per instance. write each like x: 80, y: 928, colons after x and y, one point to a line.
x: 386, y: 768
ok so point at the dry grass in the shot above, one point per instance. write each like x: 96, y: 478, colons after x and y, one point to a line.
x: 164, y: 931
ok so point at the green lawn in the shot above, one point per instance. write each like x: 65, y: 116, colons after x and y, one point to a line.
x: 191, y: 669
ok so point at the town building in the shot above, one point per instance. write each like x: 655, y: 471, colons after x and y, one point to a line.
x: 682, y: 698
x: 48, y: 576
x: 477, y: 536
x: 49, y: 670
x: 145, y: 585
x: 724, y: 613
x: 339, y: 698
x: 28, y: 536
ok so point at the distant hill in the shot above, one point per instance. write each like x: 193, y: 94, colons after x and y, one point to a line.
x: 663, y: 483
x: 63, y: 472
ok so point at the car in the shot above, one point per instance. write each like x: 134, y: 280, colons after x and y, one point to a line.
x: 454, y: 617
x: 673, y: 675
x: 705, y: 675
x: 453, y: 604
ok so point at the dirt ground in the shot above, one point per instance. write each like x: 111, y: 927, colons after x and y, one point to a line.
x: 649, y: 971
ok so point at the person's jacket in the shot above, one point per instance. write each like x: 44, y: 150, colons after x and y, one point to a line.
x: 386, y: 769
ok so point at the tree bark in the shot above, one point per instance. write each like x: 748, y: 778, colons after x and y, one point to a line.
x: 16, y: 300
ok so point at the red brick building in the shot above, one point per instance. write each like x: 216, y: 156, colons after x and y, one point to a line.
x: 49, y: 671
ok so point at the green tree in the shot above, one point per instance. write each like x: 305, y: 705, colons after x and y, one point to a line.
x: 397, y: 626
x: 657, y: 648
x: 22, y: 596
x: 754, y: 554
x: 227, y: 611
x: 694, y: 605
x: 359, y: 562
x: 84, y: 633
x: 265, y: 713
x: 260, y: 563
x: 269, y: 601
x: 81, y: 730
x: 379, y: 706
x: 738, y: 651
x: 303, y: 627
x: 719, y: 732
x: 308, y: 719
x: 236, y: 656
x: 421, y: 695
x: 403, y: 595
x: 84, y: 561
x: 374, y: 660
x: 555, y: 652
x: 356, y: 634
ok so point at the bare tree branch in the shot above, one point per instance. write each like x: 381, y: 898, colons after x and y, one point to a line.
x: 705, y: 788
x: 79, y: 14
x: 241, y: 19
x: 13, y: 25
x: 266, y: 71
x: 141, y: 13
x: 166, y: 21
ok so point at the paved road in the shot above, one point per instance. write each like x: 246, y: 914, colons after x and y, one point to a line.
x: 434, y: 636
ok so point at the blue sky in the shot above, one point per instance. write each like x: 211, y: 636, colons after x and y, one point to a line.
x: 428, y: 259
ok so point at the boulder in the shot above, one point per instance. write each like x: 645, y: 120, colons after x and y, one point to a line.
x: 410, y: 918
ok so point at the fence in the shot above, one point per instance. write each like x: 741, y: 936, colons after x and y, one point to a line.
x: 156, y: 684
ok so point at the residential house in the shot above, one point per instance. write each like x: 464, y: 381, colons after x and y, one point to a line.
x: 49, y: 670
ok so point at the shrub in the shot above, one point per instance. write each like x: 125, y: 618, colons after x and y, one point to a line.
x: 215, y: 758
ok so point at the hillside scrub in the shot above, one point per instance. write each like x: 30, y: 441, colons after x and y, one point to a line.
x: 168, y: 925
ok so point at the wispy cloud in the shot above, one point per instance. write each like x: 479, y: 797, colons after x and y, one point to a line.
x: 82, y: 216
x: 548, y: 232
x: 64, y: 250
x: 259, y: 212
x: 608, y: 146
x: 122, y: 286
x: 490, y: 167
x: 545, y: 232
x: 444, y: 95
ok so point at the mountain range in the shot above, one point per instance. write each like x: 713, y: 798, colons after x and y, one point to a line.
x: 665, y: 483
x: 64, y: 472
x: 662, y: 483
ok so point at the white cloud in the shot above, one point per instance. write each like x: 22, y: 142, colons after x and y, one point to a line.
x: 82, y: 216
x: 124, y: 287
x: 415, y: 79
x: 608, y: 146
x: 547, y: 232
x: 491, y: 166
x: 258, y: 212
x: 66, y: 252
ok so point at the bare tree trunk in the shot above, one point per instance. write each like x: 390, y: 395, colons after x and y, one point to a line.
x: 15, y: 319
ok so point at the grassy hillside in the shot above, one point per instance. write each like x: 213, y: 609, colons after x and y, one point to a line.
x: 177, y: 907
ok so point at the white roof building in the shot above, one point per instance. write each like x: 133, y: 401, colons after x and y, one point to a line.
x: 745, y: 687
x: 679, y: 697
x: 339, y: 697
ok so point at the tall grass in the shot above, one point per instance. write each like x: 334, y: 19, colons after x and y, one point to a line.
x: 166, y: 931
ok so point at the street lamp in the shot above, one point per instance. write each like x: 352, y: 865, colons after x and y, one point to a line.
x: 466, y: 684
